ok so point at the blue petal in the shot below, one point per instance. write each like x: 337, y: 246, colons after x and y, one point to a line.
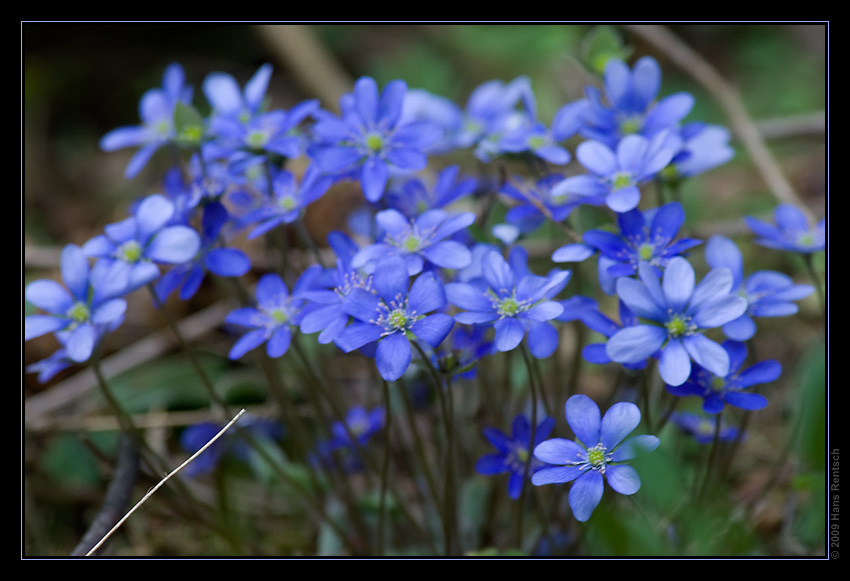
x: 586, y: 494
x: 761, y: 372
x: 75, y: 271
x: 247, y: 342
x: 80, y: 343
x: 433, y: 329
x: 174, y: 245
x: 491, y: 464
x: 279, y: 342
x: 38, y: 325
x: 227, y: 262
x: 373, y: 178
x: 509, y: 334
x: 49, y: 295
x: 271, y: 291
x: 391, y: 279
x: 469, y: 297
x: 746, y: 401
x: 635, y: 344
x: 559, y: 451
x: 448, y: 254
x: 634, y: 446
x: 555, y: 475
x: 356, y: 335
x: 542, y: 339
x: 393, y: 356
x: 678, y: 283
x: 674, y: 365
x: 619, y: 421
x: 638, y: 298
x: 584, y: 418
x: 623, y: 479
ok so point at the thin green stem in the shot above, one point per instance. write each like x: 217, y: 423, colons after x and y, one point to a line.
x: 532, y: 438
x: 386, y: 466
x: 808, y: 259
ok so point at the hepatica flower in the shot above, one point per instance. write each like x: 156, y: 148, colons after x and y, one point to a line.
x: 511, y: 300
x: 137, y: 244
x: 616, y: 174
x: 644, y: 237
x: 768, y: 293
x: 212, y: 257
x: 629, y: 106
x: 368, y: 137
x: 156, y: 110
x: 598, y: 453
x: 702, y: 428
x: 678, y: 312
x: 717, y: 391
x: 514, y: 451
x: 392, y: 315
x: 791, y: 231
x: 347, y: 438
x: 418, y: 241
x: 274, y: 317
x: 79, y: 312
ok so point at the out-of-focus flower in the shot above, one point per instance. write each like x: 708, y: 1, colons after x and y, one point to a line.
x: 791, y: 232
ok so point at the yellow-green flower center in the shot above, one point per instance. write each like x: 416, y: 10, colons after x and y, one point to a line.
x: 630, y: 125
x: 257, y: 139
x: 536, y: 142
x: 621, y: 180
x: 677, y: 326
x: 374, y: 142
x: 130, y: 252
x: 806, y: 239
x: 412, y: 243
x: 509, y: 307
x: 397, y: 319
x: 645, y: 251
x: 279, y: 315
x: 79, y: 312
x: 287, y: 203
x: 597, y: 456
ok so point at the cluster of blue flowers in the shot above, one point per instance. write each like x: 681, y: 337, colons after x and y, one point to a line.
x: 418, y: 278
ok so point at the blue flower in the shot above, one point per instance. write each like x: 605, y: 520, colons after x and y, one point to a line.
x: 702, y: 147
x: 137, y: 244
x: 702, y: 428
x: 791, y: 231
x: 768, y: 293
x: 644, y: 237
x: 275, y: 316
x: 78, y: 313
x: 539, y: 203
x: 596, y: 455
x: 361, y: 425
x: 288, y: 200
x: 392, y: 316
x: 230, y: 444
x: 227, y: 100
x: 419, y: 241
x: 221, y: 261
x: 513, y: 452
x: 616, y: 174
x: 679, y: 312
x: 512, y: 300
x: 156, y: 110
x: 412, y: 196
x: 369, y: 138
x: 719, y: 390
x: 631, y: 108
x: 591, y: 316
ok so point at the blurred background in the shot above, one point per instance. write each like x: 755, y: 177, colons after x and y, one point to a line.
x: 81, y: 80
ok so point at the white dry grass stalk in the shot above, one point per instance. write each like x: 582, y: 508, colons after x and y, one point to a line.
x: 163, y: 481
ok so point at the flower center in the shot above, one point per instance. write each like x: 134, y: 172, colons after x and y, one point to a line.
x: 536, y: 142
x: 130, y: 252
x: 79, y: 312
x: 806, y: 239
x: 630, y: 125
x: 509, y: 306
x: 374, y: 142
x: 678, y: 326
x: 257, y: 139
x: 412, y: 243
x: 598, y: 457
x: 279, y: 315
x: 621, y: 180
x: 394, y: 316
x: 717, y: 384
x: 645, y: 251
x: 287, y: 203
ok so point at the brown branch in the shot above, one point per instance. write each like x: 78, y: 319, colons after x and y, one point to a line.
x: 741, y: 122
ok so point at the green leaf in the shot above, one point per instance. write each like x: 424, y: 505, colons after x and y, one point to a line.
x: 188, y: 125
x: 602, y: 44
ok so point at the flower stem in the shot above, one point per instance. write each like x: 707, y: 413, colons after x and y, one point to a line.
x: 449, y: 484
x: 532, y: 437
x: 386, y: 466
